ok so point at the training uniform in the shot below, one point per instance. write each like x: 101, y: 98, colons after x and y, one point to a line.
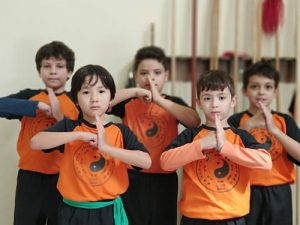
x: 37, y: 198
x: 90, y: 178
x: 151, y: 198
x: 216, y: 187
x: 271, y: 202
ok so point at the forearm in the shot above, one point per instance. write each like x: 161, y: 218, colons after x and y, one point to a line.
x: 47, y: 140
x: 177, y: 157
x: 291, y: 146
x: 258, y: 158
x: 124, y: 94
x: 20, y: 107
x: 131, y: 157
x: 185, y: 115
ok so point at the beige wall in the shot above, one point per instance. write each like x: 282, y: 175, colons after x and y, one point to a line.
x: 108, y: 33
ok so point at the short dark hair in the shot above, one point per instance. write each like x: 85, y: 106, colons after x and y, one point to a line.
x: 58, y: 50
x: 262, y: 68
x: 150, y: 52
x: 91, y: 71
x: 214, y: 80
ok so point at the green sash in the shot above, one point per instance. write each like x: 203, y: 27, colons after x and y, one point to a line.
x: 119, y: 212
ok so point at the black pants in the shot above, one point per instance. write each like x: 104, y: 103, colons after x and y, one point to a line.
x: 69, y: 215
x: 190, y: 221
x: 270, y: 205
x: 37, y: 199
x: 151, y: 199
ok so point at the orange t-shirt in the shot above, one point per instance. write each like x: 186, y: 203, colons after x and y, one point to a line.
x: 85, y: 173
x: 216, y: 185
x: 38, y: 161
x: 283, y: 170
x: 154, y: 126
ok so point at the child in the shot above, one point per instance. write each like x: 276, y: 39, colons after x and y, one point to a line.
x: 93, y: 171
x: 216, y: 159
x: 37, y: 198
x: 271, y: 202
x: 151, y: 198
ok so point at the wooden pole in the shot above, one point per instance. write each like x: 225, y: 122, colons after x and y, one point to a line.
x: 277, y: 65
x: 152, y: 34
x: 214, y: 62
x: 236, y: 53
x: 173, y: 50
x: 258, y: 29
x: 194, y: 52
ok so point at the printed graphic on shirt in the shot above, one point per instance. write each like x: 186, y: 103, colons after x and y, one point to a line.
x: 153, y: 129
x: 92, y: 167
x: 217, y: 174
x: 271, y: 143
x: 40, y: 123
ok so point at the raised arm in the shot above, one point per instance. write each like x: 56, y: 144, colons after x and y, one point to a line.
x: 184, y: 114
x: 10, y: 107
x: 136, y: 158
x: 47, y: 140
x: 124, y: 94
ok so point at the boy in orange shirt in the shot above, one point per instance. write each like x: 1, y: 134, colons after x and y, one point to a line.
x: 93, y: 172
x: 216, y: 158
x: 271, y: 201
x: 37, y: 198
x: 151, y: 198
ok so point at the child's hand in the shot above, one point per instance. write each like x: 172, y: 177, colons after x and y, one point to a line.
x: 208, y: 142
x: 89, y: 137
x: 101, y: 134
x: 144, y: 95
x: 270, y: 125
x: 55, y: 106
x: 220, y: 133
x: 156, y: 96
x: 45, y: 108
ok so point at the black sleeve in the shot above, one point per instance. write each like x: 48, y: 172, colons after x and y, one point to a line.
x: 66, y: 125
x: 25, y: 94
x: 12, y: 108
x: 293, y: 132
x: 186, y: 136
x: 130, y: 141
x: 177, y: 100
x: 119, y: 109
x: 248, y: 140
x: 234, y: 120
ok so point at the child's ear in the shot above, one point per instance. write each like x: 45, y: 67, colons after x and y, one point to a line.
x: 198, y: 104
x: 166, y: 75
x: 233, y: 101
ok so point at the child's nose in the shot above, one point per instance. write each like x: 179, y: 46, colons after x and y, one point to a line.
x: 53, y: 70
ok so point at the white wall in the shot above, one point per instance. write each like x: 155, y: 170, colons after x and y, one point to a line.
x: 107, y: 33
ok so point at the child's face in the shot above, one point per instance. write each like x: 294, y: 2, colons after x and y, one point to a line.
x: 260, y: 89
x: 93, y: 100
x: 54, y: 73
x: 216, y: 102
x: 154, y: 70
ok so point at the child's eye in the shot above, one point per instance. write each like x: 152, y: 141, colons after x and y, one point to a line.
x: 46, y: 66
x: 61, y: 66
x: 102, y: 91
x: 222, y: 97
x: 269, y: 87
x: 158, y: 72
x: 84, y: 92
x: 253, y: 86
x: 206, y: 99
x: 143, y: 73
